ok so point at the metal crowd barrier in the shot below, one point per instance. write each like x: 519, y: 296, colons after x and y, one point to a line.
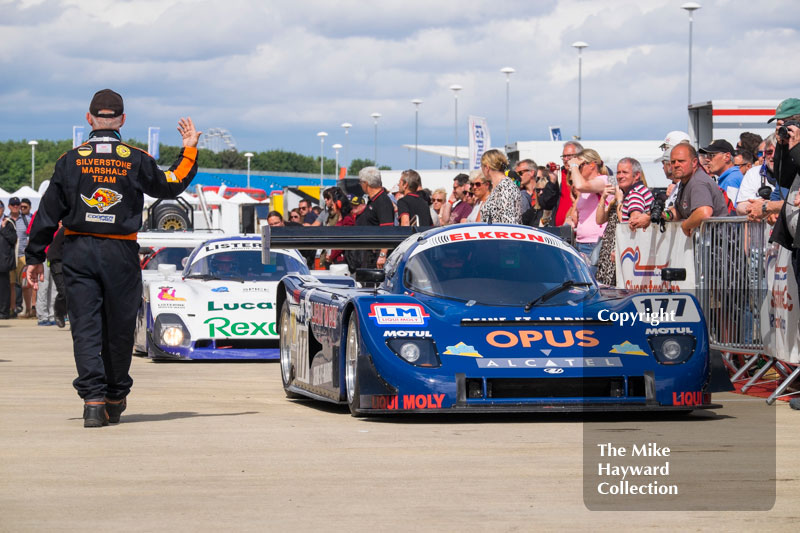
x: 730, y: 270
x: 731, y: 285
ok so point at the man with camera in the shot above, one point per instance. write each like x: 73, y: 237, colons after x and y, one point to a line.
x: 699, y: 197
x: 787, y: 167
x: 759, y: 196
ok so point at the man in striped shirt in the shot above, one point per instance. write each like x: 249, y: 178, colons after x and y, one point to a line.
x: 637, y: 198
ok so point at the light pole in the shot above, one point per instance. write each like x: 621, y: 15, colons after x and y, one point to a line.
x: 416, y: 102
x: 337, y: 147
x: 455, y: 89
x: 375, y: 117
x: 580, y: 45
x: 248, y: 155
x: 508, y: 71
x: 33, y: 160
x: 321, y: 136
x: 346, y: 126
x: 690, y: 7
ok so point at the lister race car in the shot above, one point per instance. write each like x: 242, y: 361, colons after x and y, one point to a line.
x: 221, y: 306
x: 479, y: 317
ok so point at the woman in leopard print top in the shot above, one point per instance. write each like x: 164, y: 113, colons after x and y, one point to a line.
x: 503, y: 204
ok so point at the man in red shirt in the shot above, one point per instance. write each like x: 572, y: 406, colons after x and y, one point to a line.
x: 570, y: 150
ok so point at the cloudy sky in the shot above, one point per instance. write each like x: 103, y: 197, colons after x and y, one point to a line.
x: 274, y: 73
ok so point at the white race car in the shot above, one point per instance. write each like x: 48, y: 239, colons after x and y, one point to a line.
x: 221, y: 306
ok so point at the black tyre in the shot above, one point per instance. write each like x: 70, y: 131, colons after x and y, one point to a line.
x: 352, y: 351
x: 170, y: 217
x: 287, y: 365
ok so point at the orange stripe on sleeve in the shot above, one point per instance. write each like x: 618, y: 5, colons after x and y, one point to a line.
x: 187, y: 162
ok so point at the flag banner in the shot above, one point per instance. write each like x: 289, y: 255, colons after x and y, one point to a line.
x: 479, y: 141
x: 152, y: 141
x: 77, y: 136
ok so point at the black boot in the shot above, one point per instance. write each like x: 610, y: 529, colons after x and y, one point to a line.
x: 94, y: 414
x: 114, y: 409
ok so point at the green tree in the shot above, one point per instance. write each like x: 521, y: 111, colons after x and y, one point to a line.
x: 15, y: 161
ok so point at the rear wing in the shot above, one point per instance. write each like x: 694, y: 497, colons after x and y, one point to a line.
x: 353, y: 237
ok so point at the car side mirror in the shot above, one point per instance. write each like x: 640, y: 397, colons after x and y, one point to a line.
x: 370, y: 275
x: 673, y: 274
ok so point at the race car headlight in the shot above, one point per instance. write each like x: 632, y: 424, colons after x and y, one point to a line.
x: 410, y: 352
x: 172, y: 335
x: 672, y: 349
x: 418, y: 352
x: 169, y: 330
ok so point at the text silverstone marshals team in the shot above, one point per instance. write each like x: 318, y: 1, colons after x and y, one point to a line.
x: 97, y: 192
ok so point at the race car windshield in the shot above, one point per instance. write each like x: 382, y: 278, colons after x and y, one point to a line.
x: 243, y: 266
x: 510, y: 273
x: 167, y: 256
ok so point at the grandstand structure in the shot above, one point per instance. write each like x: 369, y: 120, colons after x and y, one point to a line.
x: 217, y: 140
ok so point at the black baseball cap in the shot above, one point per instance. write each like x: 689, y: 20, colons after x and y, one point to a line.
x: 720, y: 145
x: 108, y: 100
x: 14, y: 200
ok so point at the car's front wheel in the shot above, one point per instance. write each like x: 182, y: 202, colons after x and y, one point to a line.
x: 287, y: 366
x: 352, y: 348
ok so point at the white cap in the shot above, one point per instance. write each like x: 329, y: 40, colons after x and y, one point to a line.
x: 674, y: 138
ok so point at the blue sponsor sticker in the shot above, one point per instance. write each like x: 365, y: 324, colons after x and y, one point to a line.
x: 398, y: 314
x: 219, y: 289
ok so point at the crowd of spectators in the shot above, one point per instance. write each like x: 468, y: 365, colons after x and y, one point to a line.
x: 716, y: 180
x: 17, y: 298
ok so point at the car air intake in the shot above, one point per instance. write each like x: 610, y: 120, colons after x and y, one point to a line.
x: 240, y: 344
x: 605, y: 387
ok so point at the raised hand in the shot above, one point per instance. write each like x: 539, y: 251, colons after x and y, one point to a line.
x: 188, y: 132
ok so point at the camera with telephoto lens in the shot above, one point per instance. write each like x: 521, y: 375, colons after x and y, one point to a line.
x: 783, y: 131
x: 657, y: 210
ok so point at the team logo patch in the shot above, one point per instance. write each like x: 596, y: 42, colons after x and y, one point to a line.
x: 398, y: 314
x: 171, y: 177
x: 464, y: 350
x: 105, y: 219
x: 83, y: 151
x: 103, y: 148
x: 103, y: 199
x: 123, y: 151
x: 165, y: 294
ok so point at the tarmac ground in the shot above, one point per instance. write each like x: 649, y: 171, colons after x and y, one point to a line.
x: 217, y: 447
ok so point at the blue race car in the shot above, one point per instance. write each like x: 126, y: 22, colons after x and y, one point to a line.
x: 478, y: 317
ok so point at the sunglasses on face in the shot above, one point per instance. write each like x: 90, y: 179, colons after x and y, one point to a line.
x: 770, y: 152
x: 438, y: 200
